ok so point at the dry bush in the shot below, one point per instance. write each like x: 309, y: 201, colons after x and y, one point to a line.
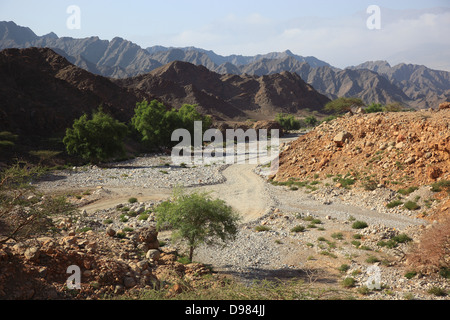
x: 432, y: 253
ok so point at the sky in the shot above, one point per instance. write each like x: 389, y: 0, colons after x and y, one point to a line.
x: 342, y: 33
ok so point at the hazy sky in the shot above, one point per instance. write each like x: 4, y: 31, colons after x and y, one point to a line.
x: 411, y: 31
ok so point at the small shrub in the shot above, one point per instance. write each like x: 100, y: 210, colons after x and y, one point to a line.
x: 411, y: 205
x: 359, y: 225
x: 439, y: 186
x: 143, y: 216
x: 298, y: 229
x: 372, y: 259
x: 410, y: 274
x: 388, y: 244
x: 407, y: 191
x: 132, y: 200
x: 438, y: 292
x: 364, y: 290
x: 108, y: 221
x: 348, y: 282
x: 445, y: 272
x: 261, y: 228
x: 337, y: 236
x: 356, y: 243
x: 402, y: 238
x: 394, y: 204
x: 184, y: 260
x: 344, y: 268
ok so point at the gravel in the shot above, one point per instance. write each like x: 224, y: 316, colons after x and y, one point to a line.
x: 147, y: 172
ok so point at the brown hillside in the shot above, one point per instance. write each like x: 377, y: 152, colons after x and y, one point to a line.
x: 392, y: 149
x: 41, y: 93
x: 228, y: 97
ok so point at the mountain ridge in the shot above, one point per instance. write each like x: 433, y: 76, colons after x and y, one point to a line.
x: 420, y: 86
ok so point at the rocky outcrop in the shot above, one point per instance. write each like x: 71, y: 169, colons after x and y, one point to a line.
x: 39, y: 269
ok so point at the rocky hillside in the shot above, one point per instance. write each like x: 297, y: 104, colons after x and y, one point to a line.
x: 42, y: 93
x: 228, y: 97
x: 394, y: 150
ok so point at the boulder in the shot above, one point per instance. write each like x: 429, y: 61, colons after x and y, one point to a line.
x: 153, y: 254
x: 445, y: 105
x: 32, y: 253
x: 341, y: 138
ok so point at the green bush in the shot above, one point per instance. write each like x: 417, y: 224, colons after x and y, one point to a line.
x: 311, y: 121
x: 439, y: 186
x: 97, y: 139
x: 438, y: 292
x: 374, y: 107
x: 407, y: 191
x: 133, y: 200
x: 298, y: 229
x: 359, y: 225
x: 411, y: 205
x: 348, y: 282
x: 288, y: 121
x: 410, y: 274
x: 394, y: 204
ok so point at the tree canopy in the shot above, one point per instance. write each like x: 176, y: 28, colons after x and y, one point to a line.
x: 197, y: 218
x: 97, y: 139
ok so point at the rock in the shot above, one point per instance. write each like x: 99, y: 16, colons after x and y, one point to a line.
x: 147, y: 235
x: 410, y: 160
x: 434, y: 173
x: 129, y: 282
x: 119, y: 289
x: 445, y: 105
x: 153, y: 254
x: 400, y: 145
x: 32, y: 253
x: 341, y: 138
x: 110, y: 232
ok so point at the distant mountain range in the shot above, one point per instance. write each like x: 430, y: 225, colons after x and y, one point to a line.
x: 413, y: 85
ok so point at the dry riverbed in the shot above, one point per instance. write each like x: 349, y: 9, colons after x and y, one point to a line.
x: 284, y: 234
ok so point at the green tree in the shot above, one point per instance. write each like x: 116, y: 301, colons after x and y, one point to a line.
x: 374, y: 107
x: 97, y: 139
x: 156, y: 123
x: 343, y: 105
x: 311, y: 121
x: 152, y: 120
x: 288, y: 121
x: 197, y: 219
x: 188, y: 114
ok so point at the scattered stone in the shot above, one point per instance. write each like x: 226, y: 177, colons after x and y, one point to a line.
x: 153, y: 254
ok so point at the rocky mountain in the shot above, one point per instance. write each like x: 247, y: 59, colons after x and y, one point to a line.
x: 228, y: 97
x: 41, y: 93
x: 414, y: 86
x: 424, y: 86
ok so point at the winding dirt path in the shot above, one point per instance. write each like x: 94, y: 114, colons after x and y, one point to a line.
x: 243, y: 189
